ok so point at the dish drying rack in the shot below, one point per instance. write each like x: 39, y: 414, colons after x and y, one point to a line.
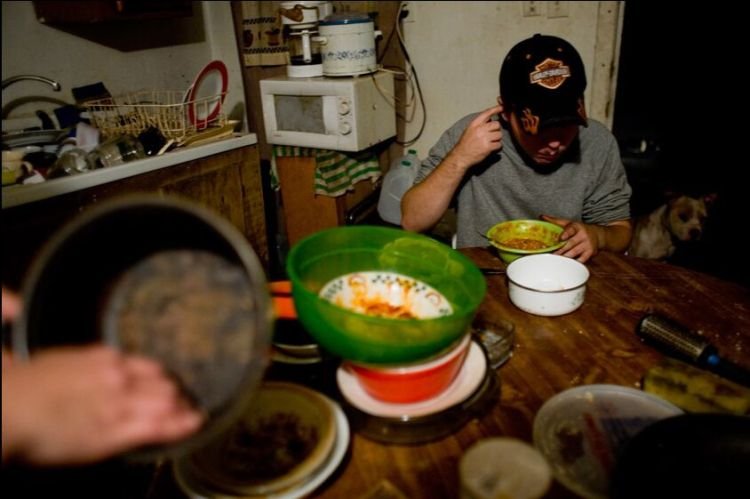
x: 170, y: 111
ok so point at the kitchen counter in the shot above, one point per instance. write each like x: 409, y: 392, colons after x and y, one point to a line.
x: 22, y: 194
x: 223, y: 176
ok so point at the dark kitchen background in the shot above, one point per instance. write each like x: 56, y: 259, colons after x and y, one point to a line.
x: 680, y: 114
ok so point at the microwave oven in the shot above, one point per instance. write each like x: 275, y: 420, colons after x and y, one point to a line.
x: 340, y: 114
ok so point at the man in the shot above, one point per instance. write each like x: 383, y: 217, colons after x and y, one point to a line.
x: 557, y: 165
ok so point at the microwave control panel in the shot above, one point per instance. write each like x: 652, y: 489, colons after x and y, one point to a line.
x: 344, y: 107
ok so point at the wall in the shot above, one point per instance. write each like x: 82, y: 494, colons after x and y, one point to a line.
x: 126, y: 57
x: 457, y: 48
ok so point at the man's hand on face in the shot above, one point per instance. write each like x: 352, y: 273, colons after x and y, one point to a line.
x: 481, y: 137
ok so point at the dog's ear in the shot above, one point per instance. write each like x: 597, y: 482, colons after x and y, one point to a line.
x: 710, y: 198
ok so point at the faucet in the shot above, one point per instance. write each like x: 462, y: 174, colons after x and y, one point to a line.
x: 52, y: 83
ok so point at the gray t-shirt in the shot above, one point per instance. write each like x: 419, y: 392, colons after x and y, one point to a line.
x: 592, y: 187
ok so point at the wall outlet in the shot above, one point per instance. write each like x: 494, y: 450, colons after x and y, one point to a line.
x: 557, y: 9
x: 531, y: 9
x: 407, y: 12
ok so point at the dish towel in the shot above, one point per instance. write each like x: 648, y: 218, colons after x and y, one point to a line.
x: 336, y: 172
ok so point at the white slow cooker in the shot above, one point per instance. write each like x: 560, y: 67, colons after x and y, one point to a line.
x: 347, y: 42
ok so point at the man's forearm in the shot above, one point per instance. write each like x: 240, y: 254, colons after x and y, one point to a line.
x: 424, y: 204
x: 615, y: 236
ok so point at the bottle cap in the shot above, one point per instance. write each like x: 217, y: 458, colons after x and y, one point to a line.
x: 503, y: 467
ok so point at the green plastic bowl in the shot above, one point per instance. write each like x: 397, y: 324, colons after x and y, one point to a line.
x: 331, y: 253
x: 539, y: 230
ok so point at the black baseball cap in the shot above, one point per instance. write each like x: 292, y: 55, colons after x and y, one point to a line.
x: 542, y: 80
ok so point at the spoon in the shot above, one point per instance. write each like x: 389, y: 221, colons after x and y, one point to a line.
x: 489, y: 240
x: 491, y: 271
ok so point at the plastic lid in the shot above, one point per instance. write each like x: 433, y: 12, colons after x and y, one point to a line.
x: 406, y: 162
x: 345, y: 18
x: 581, y: 430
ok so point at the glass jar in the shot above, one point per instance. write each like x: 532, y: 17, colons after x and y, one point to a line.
x: 119, y: 150
x: 72, y: 162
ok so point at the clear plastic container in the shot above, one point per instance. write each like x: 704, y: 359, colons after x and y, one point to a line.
x: 397, y: 181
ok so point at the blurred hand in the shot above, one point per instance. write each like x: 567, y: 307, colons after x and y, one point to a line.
x: 11, y: 305
x: 480, y: 138
x: 581, y: 239
x: 73, y: 405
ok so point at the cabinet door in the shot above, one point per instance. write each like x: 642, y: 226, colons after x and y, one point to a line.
x: 229, y: 184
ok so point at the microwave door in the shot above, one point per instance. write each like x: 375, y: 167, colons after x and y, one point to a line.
x: 299, y: 113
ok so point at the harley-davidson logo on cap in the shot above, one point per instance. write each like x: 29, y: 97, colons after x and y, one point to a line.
x: 550, y: 74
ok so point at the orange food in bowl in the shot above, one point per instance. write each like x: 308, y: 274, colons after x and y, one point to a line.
x: 516, y: 238
x: 524, y: 243
x: 415, y: 382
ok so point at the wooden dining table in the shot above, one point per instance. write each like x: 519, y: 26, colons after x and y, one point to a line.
x: 596, y: 344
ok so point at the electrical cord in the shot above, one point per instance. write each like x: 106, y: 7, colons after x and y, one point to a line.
x: 410, y: 75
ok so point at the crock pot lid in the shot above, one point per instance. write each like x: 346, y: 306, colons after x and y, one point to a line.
x: 345, y: 18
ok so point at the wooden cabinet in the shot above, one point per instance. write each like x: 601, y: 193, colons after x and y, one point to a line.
x: 87, y: 12
x: 306, y: 212
x: 228, y: 183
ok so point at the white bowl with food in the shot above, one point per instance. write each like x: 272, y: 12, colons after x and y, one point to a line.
x: 283, y: 439
x: 547, y: 284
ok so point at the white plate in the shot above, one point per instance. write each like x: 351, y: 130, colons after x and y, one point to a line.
x: 468, y: 380
x: 206, y: 95
x: 196, y: 491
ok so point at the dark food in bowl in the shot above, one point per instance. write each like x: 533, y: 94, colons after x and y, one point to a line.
x: 269, y: 448
x: 163, y: 307
x: 283, y: 438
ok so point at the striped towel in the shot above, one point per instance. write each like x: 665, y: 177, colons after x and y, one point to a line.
x: 336, y: 172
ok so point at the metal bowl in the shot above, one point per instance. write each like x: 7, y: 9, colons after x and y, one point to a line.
x: 160, y: 277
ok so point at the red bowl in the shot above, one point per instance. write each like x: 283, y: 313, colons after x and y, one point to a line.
x: 415, y: 382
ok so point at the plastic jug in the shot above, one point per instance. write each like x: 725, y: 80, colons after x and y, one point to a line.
x: 397, y: 181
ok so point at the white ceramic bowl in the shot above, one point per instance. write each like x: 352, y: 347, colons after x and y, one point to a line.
x: 386, y: 294
x: 547, y: 284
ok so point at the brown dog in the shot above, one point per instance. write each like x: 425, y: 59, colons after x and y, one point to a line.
x: 681, y: 218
